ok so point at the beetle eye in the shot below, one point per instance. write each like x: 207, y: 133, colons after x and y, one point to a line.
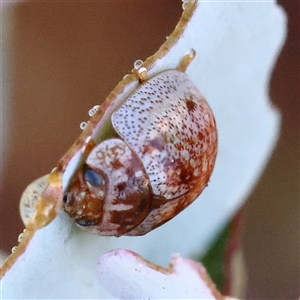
x: 68, y: 199
x: 93, y: 178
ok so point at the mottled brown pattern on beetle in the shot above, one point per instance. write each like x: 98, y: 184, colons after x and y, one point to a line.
x: 158, y: 143
x: 89, y: 207
x: 164, y: 211
x: 127, y: 217
x: 167, y: 210
x: 138, y: 201
x: 191, y: 105
x: 169, y: 115
x: 126, y: 192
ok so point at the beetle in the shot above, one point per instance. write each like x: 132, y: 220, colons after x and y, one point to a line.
x: 156, y: 162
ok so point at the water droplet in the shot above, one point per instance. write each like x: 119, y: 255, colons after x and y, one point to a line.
x: 83, y: 125
x: 30, y: 196
x: 93, y: 110
x: 20, y: 237
x: 184, y: 3
x: 137, y: 64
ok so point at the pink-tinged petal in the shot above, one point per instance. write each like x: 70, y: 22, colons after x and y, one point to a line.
x: 127, y: 275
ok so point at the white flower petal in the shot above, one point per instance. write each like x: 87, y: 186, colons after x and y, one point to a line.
x: 126, y: 275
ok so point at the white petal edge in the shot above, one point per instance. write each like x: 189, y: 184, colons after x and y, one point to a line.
x: 126, y: 275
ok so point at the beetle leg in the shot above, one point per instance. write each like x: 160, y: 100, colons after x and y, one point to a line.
x: 89, y: 144
x: 140, y: 71
x: 186, y: 60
